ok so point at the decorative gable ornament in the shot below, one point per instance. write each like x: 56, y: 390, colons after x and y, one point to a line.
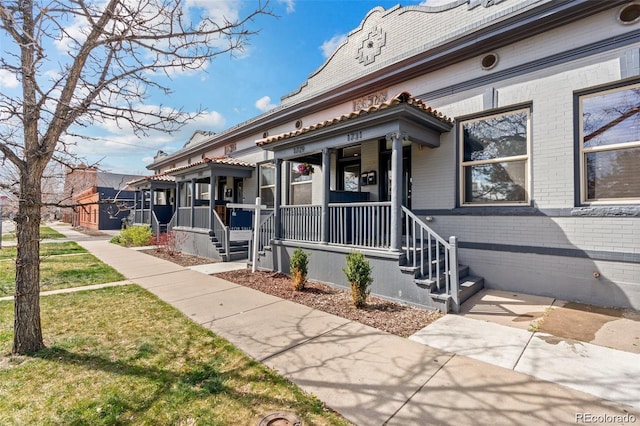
x: 371, y: 46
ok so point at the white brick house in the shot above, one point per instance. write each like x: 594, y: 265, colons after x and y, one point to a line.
x: 513, y: 125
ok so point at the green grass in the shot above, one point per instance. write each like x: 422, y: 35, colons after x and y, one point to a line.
x: 45, y: 233
x: 121, y: 356
x: 62, y: 265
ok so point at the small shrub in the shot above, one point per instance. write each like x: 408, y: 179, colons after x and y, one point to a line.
x: 358, y: 273
x: 167, y: 242
x: 298, y: 267
x: 134, y: 236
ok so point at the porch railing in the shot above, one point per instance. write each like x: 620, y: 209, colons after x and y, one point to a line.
x: 155, y: 225
x: 173, y: 222
x: 221, y: 232
x: 184, y: 216
x: 266, y: 231
x: 360, y: 224
x: 301, y: 223
x: 436, y: 258
x: 201, y: 215
x: 142, y: 216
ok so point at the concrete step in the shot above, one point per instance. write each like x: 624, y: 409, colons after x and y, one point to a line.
x: 431, y: 284
x: 470, y: 286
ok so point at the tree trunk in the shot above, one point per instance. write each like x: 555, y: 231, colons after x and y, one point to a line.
x: 27, y: 326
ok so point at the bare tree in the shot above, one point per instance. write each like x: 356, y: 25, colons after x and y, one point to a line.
x: 118, y: 50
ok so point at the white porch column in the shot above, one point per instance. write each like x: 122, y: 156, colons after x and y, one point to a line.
x: 396, y: 190
x: 193, y: 202
x: 277, y: 198
x: 135, y: 205
x: 326, y: 188
x: 152, y: 192
x: 212, y: 199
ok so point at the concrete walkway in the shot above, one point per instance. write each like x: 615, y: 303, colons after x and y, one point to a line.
x: 369, y: 376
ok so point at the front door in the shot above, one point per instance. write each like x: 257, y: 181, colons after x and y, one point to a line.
x: 385, y: 178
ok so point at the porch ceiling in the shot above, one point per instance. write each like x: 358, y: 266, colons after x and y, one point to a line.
x: 418, y: 123
x: 213, y: 166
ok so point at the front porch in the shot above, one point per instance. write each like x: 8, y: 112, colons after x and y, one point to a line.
x: 153, y: 202
x: 411, y: 262
x: 195, y: 200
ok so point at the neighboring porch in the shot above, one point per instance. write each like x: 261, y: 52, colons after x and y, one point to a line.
x: 153, y: 202
x: 198, y: 196
x: 412, y: 263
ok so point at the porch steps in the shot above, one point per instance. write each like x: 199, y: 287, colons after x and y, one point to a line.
x: 238, y: 250
x: 467, y: 287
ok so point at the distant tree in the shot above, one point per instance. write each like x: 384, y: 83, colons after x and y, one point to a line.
x: 117, y: 51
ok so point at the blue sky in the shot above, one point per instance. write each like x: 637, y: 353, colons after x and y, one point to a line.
x: 235, y: 89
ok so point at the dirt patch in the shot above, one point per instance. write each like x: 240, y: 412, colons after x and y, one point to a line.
x: 578, y: 321
x: 394, y: 318
x: 181, y: 259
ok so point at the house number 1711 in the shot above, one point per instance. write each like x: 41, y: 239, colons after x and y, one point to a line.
x: 354, y: 136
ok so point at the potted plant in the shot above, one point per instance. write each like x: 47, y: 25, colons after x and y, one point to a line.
x: 305, y: 169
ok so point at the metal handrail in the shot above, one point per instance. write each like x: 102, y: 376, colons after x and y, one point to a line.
x: 155, y: 224
x: 221, y: 231
x: 421, y: 239
x: 172, y: 222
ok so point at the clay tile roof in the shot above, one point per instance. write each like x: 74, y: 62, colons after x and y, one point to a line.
x: 161, y: 177
x: 229, y: 161
x: 401, y: 98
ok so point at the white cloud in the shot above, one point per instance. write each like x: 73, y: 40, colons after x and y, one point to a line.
x: 290, y: 4
x: 264, y: 104
x: 123, y: 151
x: 8, y: 80
x: 329, y: 46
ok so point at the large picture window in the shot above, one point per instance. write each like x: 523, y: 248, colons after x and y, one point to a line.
x: 495, y: 159
x: 300, y: 186
x: 610, y: 145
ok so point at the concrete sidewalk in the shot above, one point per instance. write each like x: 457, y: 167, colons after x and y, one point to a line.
x: 368, y: 376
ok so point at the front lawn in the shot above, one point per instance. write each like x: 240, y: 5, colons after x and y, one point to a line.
x: 121, y: 356
x: 62, y: 265
x: 45, y: 233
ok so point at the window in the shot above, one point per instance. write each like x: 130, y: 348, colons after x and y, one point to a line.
x: 267, y: 184
x: 349, y: 168
x: 495, y: 160
x: 300, y: 186
x: 610, y: 145
x: 202, y: 190
x: 185, y: 194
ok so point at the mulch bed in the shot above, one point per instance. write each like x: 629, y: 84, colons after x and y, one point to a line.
x: 395, y: 318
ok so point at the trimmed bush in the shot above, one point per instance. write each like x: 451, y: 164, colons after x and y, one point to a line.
x: 358, y: 273
x: 298, y: 268
x: 133, y: 236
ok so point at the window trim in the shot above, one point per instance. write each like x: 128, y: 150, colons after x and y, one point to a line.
x: 582, y: 152
x: 292, y: 184
x: 261, y: 185
x: 526, y: 158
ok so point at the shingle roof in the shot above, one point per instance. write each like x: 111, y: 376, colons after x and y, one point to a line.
x: 401, y: 98
x: 228, y: 161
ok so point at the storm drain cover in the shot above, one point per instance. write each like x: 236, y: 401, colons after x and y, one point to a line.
x: 280, y: 419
